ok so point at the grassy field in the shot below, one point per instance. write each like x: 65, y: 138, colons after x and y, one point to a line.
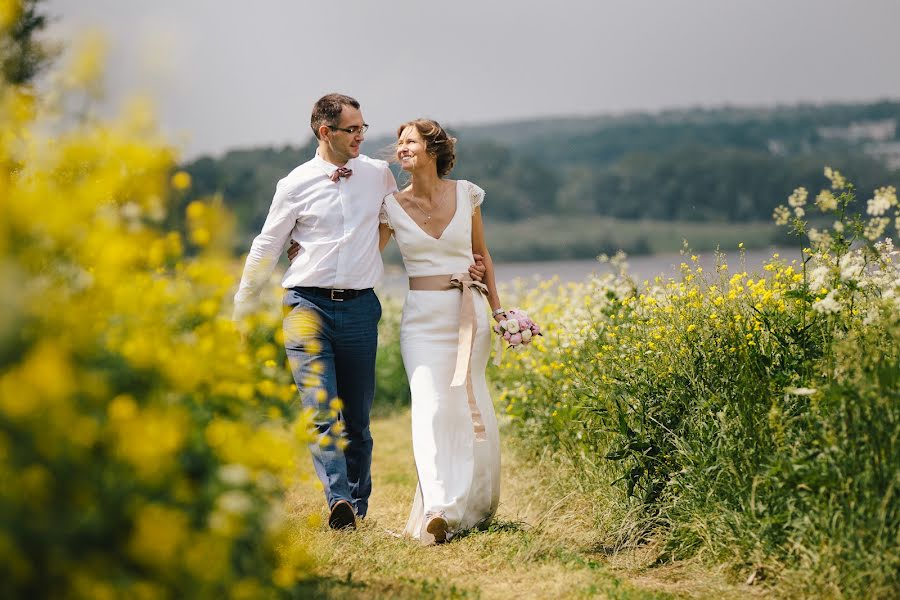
x: 663, y: 441
x: 545, y: 542
x: 748, y: 420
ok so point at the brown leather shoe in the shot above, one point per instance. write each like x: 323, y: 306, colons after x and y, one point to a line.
x: 342, y: 516
x: 435, y: 530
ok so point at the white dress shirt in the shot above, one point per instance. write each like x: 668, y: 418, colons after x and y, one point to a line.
x: 335, y: 223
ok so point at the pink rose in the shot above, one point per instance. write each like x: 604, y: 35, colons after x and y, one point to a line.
x: 515, y: 339
x: 536, y: 329
x: 507, y: 335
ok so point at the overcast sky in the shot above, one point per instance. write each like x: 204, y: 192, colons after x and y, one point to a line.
x: 233, y: 73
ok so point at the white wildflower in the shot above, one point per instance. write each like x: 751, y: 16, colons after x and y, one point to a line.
x: 818, y: 277
x: 826, y: 201
x: 883, y: 200
x: 838, y: 226
x: 781, y: 215
x: 827, y: 305
x: 851, y: 266
x: 885, y: 247
x: 799, y: 212
x: 824, y: 240
x: 798, y: 198
x: 838, y: 182
x: 871, y: 316
x: 875, y: 227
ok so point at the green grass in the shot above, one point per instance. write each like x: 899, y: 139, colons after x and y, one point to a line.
x: 739, y: 423
x: 543, y: 544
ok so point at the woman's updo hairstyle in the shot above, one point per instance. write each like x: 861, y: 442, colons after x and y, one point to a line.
x: 437, y: 143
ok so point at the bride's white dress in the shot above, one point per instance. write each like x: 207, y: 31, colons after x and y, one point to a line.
x: 459, y: 471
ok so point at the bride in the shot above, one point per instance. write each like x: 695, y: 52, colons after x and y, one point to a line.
x: 445, y: 337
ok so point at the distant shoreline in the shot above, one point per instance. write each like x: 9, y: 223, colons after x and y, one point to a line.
x: 641, y: 268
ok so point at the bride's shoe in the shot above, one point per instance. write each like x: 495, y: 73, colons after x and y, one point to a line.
x: 436, y: 529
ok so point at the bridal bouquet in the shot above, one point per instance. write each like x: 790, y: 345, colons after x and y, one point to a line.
x: 517, y: 329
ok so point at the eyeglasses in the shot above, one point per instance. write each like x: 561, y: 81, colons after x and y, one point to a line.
x: 355, y: 130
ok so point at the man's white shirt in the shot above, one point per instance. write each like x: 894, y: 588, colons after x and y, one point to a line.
x: 335, y: 223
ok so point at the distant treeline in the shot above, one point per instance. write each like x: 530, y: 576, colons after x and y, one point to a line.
x: 727, y: 166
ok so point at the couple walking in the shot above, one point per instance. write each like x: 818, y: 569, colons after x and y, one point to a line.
x: 339, y: 210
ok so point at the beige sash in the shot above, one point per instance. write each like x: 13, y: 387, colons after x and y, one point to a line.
x: 462, y: 374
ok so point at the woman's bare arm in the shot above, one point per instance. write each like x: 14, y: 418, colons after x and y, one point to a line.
x: 479, y: 246
x: 384, y: 236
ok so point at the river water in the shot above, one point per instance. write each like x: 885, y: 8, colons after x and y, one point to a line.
x: 641, y: 268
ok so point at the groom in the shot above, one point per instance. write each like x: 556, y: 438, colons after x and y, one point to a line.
x: 329, y: 205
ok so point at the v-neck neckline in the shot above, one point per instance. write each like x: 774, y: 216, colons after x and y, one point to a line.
x: 449, y: 223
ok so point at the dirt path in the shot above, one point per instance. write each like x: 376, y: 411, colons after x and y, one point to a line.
x: 539, y: 546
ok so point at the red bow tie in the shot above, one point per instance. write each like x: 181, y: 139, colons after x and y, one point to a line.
x: 341, y: 172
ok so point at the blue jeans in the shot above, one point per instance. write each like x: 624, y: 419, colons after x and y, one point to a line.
x: 331, y: 346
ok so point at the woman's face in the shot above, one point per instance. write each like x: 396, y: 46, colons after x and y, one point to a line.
x: 411, y: 150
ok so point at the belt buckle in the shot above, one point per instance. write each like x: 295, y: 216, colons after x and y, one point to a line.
x: 337, y: 299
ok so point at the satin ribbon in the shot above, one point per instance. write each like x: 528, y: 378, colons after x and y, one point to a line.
x: 462, y: 374
x: 341, y: 172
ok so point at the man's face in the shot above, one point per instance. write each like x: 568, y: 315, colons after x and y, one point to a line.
x: 345, y: 145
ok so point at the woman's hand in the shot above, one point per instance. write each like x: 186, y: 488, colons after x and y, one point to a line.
x: 478, y: 270
x: 293, y: 250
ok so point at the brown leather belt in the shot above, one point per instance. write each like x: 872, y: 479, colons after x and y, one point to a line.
x: 332, y: 294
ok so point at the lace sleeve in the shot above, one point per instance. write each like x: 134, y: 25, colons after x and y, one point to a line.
x: 476, y: 195
x: 383, y: 215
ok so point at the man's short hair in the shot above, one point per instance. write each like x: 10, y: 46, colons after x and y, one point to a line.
x: 327, y: 110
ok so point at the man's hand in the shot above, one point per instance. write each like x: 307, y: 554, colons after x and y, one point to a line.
x: 478, y: 270
x: 293, y: 250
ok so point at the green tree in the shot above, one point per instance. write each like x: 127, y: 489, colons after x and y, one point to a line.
x: 22, y: 55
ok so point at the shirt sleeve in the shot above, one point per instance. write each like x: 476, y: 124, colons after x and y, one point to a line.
x: 390, y: 184
x: 265, y: 251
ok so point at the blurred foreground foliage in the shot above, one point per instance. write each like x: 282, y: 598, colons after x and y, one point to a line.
x: 144, y: 449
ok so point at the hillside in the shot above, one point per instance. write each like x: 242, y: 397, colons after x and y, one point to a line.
x: 727, y: 167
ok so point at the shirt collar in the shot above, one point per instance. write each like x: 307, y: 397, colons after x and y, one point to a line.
x: 328, y: 167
